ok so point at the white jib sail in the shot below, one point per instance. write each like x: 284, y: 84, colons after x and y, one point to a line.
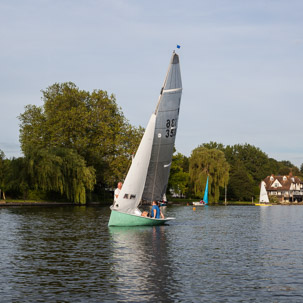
x: 263, y: 193
x: 132, y: 189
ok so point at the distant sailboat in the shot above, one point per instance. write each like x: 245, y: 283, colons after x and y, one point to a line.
x: 205, y: 197
x: 148, y: 175
x: 263, y: 200
x: 163, y: 203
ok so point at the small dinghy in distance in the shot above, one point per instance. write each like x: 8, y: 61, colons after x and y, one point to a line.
x: 263, y: 200
x: 148, y: 174
x: 163, y: 203
x: 205, y: 197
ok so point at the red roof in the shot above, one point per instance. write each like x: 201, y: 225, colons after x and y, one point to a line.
x: 285, y: 181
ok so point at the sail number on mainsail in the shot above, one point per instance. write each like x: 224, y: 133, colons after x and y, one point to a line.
x: 171, y: 126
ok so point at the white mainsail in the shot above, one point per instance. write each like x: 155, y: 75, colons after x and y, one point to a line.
x: 263, y: 194
x: 131, y: 192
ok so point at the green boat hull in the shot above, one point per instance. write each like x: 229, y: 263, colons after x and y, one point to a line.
x: 122, y: 219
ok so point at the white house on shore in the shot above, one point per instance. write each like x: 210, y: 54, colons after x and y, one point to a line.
x: 285, y: 188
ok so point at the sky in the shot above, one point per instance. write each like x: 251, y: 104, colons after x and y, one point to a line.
x: 241, y: 65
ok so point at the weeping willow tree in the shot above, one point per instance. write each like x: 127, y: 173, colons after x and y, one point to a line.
x: 204, y: 162
x: 61, y: 170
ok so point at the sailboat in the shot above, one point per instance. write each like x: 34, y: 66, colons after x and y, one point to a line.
x: 263, y: 200
x: 163, y: 203
x: 205, y: 197
x: 148, y: 174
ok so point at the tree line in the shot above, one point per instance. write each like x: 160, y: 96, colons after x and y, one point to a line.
x: 234, y: 170
x: 78, y: 145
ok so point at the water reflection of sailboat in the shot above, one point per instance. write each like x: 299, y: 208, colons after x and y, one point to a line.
x: 141, y: 262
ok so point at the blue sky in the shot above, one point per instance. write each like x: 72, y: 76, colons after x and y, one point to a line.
x: 241, y: 64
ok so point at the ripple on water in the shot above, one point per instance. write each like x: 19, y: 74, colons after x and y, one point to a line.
x: 215, y: 254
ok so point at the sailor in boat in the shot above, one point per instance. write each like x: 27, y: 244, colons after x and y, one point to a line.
x: 117, y: 192
x: 202, y: 202
x: 145, y: 214
x: 155, y: 211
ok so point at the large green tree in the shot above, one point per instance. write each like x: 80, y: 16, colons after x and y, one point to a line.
x: 241, y: 184
x: 92, y: 124
x: 286, y: 167
x: 255, y: 161
x: 212, y: 162
x: 179, y: 176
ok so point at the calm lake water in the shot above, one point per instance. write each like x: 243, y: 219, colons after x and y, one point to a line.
x: 213, y: 254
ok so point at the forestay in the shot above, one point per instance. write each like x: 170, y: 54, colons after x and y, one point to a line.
x: 167, y: 113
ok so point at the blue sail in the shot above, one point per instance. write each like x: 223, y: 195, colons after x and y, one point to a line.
x: 205, y: 198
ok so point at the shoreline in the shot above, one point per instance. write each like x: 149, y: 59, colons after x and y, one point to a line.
x: 8, y: 203
x: 33, y: 203
x: 221, y: 203
x: 16, y: 202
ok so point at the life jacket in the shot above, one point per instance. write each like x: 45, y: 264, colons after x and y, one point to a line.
x: 156, y: 207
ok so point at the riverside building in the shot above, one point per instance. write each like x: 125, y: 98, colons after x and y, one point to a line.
x: 285, y: 188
